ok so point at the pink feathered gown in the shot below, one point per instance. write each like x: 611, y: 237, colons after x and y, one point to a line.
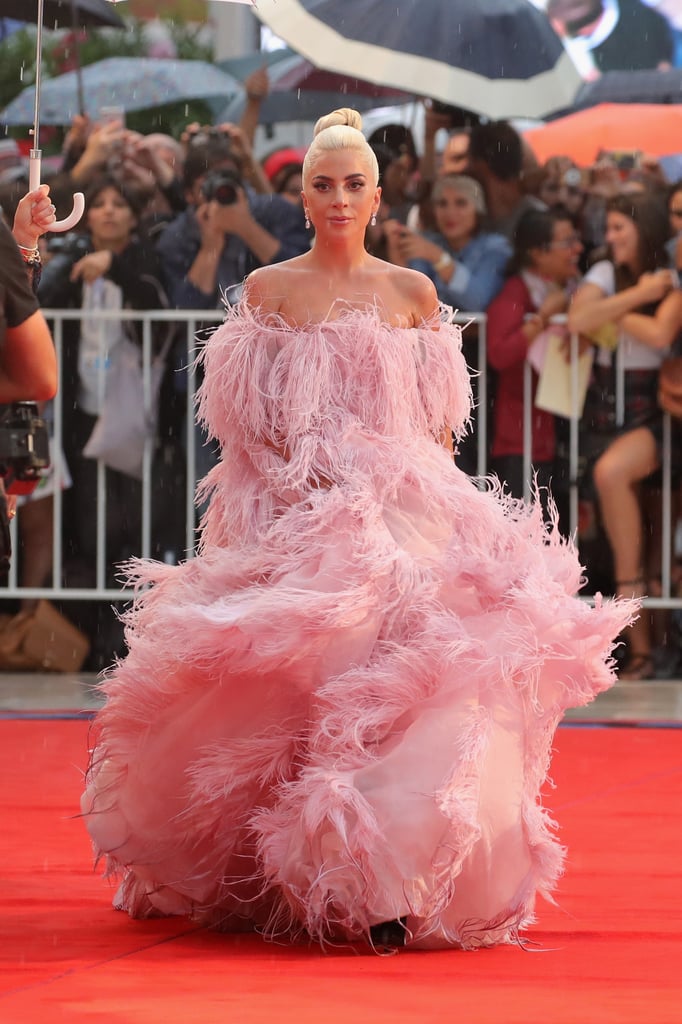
x: 341, y: 712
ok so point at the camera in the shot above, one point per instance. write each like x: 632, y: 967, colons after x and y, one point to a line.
x: 73, y: 245
x: 24, y: 447
x: 221, y: 186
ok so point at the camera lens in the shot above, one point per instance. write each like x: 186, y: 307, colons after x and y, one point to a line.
x: 225, y: 194
x: 221, y: 187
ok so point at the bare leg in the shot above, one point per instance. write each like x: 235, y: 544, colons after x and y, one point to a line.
x: 35, y: 529
x: 617, y: 474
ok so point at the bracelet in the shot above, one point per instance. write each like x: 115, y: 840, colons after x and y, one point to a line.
x: 31, y: 253
x: 444, y: 262
x: 32, y: 258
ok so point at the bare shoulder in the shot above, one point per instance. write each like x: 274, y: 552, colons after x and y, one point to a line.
x: 419, y: 291
x: 268, y: 287
x: 262, y: 289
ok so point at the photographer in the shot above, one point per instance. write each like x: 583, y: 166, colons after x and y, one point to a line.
x: 227, y: 230
x: 28, y: 366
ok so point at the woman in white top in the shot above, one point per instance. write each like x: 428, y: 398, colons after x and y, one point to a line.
x: 633, y: 298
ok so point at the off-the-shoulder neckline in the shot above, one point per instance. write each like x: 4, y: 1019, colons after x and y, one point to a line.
x: 275, y: 321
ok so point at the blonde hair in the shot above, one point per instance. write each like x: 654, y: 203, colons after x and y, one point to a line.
x: 342, y: 129
x: 463, y: 184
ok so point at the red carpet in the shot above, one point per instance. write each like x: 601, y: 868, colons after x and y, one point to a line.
x: 611, y: 951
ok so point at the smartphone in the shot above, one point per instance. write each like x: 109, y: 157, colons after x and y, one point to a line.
x: 108, y: 114
x: 627, y: 159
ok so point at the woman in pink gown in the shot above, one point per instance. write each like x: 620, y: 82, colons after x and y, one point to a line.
x: 337, y: 718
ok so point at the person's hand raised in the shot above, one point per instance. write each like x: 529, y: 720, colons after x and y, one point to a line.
x: 434, y: 120
x: 414, y: 246
x: 144, y: 162
x: 257, y: 84
x: 33, y: 217
x: 554, y: 303
x: 216, y: 220
x: 92, y: 266
x: 76, y: 137
x: 239, y: 143
x: 104, y: 142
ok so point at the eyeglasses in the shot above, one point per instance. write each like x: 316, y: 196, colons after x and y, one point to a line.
x: 570, y: 190
x: 566, y: 243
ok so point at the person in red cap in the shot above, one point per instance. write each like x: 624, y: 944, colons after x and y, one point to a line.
x: 283, y: 169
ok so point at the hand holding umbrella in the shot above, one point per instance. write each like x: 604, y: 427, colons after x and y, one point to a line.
x: 33, y: 217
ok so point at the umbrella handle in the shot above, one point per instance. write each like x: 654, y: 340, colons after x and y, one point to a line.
x: 34, y: 182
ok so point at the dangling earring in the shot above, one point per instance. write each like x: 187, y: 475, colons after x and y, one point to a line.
x: 307, y: 221
x: 373, y: 221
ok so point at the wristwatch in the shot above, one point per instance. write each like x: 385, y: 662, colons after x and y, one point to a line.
x: 444, y: 262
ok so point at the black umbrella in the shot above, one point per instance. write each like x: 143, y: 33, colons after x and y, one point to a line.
x: 650, y: 86
x: 499, y: 58
x: 63, y: 13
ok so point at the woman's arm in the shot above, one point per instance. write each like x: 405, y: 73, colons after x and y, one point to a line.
x: 660, y: 330
x: 474, y: 284
x: 28, y: 365
x: 591, y: 308
x: 33, y: 217
x: 427, y: 307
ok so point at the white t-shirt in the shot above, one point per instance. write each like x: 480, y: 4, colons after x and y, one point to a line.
x: 634, y: 354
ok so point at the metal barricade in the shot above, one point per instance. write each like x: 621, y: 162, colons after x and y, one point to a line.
x: 188, y: 321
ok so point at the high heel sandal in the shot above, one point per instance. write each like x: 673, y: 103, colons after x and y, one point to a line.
x: 639, y: 665
x: 637, y: 668
x: 389, y: 935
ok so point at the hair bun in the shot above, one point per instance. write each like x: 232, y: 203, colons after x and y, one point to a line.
x: 342, y: 116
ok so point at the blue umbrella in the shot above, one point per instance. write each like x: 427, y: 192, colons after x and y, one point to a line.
x: 499, y: 58
x: 133, y: 83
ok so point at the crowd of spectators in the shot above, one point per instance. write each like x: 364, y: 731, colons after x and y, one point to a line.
x: 178, y: 223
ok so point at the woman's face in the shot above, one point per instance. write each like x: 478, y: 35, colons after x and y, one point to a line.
x: 110, y: 219
x: 622, y: 237
x: 563, y: 190
x: 340, y: 194
x: 558, y: 262
x: 291, y: 189
x: 675, y: 212
x: 396, y: 180
x: 456, y: 217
